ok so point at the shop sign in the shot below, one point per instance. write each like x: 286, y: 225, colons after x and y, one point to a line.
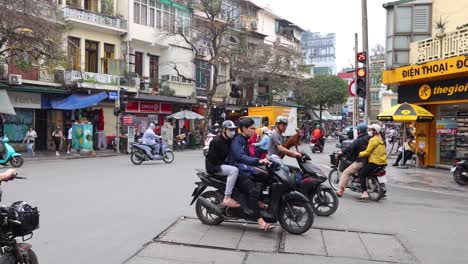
x: 128, y: 120
x: 25, y: 100
x: 148, y: 107
x: 446, y: 127
x: 454, y: 89
x: 113, y: 95
x: 439, y: 68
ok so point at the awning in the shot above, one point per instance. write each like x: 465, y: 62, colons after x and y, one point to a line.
x: 162, y: 98
x: 34, y: 89
x: 315, y: 114
x: 5, y: 105
x: 77, y: 101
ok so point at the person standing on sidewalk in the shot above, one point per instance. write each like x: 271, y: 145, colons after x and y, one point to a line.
x: 352, y: 154
x: 70, y: 137
x: 57, y: 136
x: 30, y: 139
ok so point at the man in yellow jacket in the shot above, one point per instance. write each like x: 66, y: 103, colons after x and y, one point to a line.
x: 377, y: 157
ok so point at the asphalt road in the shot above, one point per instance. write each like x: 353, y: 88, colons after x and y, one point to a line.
x: 103, y: 210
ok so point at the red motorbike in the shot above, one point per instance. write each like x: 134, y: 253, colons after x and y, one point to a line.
x: 315, y: 145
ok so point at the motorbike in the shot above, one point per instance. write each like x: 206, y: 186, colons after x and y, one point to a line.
x: 283, y: 203
x: 310, y: 179
x: 375, y: 180
x: 315, y: 146
x: 141, y: 152
x: 460, y: 171
x: 17, y: 220
x: 208, y: 140
x: 10, y: 155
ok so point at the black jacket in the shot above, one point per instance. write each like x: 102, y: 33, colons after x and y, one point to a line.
x: 217, y: 154
x: 358, y: 145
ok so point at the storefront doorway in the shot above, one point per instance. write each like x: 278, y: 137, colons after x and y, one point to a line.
x: 91, y: 58
x: 40, y: 125
x: 452, y: 133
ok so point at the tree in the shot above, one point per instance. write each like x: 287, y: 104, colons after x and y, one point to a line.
x: 30, y: 33
x: 217, y: 39
x: 322, y: 91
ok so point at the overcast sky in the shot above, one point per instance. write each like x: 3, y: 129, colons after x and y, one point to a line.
x: 342, y: 17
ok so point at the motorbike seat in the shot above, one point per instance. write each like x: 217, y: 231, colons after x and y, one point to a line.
x: 378, y: 171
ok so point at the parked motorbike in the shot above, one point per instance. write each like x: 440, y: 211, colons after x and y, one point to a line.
x: 283, y: 203
x: 460, y: 171
x: 310, y: 179
x: 375, y: 181
x: 141, y: 152
x: 315, y: 145
x: 17, y: 220
x: 208, y: 140
x: 9, y: 155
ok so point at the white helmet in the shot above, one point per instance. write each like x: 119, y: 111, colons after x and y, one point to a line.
x: 376, y: 127
x: 281, y: 119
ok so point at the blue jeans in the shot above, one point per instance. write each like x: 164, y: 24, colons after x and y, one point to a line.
x: 30, y: 147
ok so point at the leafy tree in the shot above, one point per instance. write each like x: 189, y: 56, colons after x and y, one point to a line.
x: 322, y: 91
x: 166, y: 89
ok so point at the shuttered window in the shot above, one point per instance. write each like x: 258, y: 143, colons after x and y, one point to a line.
x: 403, y: 19
x: 421, y: 19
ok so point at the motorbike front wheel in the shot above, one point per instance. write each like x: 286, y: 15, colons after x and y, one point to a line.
x: 135, y: 159
x: 204, y: 214
x: 168, y: 157
x: 326, y: 204
x: 295, y: 216
x: 459, y: 178
x: 16, y: 162
x: 334, y: 178
x: 9, y: 258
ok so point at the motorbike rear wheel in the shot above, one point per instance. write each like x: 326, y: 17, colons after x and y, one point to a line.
x: 203, y: 214
x: 168, y: 157
x: 294, y: 212
x: 373, y: 188
x: 16, y: 162
x: 459, y: 178
x: 9, y: 258
x: 334, y: 178
x: 325, y: 205
x: 135, y: 159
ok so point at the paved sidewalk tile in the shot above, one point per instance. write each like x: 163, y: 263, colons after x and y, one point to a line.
x: 344, y: 244
x: 267, y: 258
x: 225, y: 235
x: 385, y: 248
x: 257, y: 240
x: 189, y: 231
x: 156, y: 253
x: 310, y: 242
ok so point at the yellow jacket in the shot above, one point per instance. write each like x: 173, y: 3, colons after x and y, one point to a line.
x: 375, y: 151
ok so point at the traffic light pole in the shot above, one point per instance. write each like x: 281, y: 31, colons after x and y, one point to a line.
x: 365, y: 47
x: 356, y: 97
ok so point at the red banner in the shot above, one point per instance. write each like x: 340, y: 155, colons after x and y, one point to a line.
x: 148, y: 107
x: 128, y: 120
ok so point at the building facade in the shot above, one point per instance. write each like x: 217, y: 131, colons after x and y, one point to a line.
x: 320, y: 51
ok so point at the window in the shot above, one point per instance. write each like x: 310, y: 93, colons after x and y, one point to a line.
x: 421, y: 18
x: 402, y: 42
x: 152, y: 18
x: 375, y: 98
x: 139, y: 63
x: 144, y: 12
x: 403, y: 22
x: 91, y: 56
x: 394, y: 102
x: 74, y: 52
x: 390, y: 22
x: 109, y: 51
x: 136, y: 12
x: 222, y: 68
x: 202, y: 74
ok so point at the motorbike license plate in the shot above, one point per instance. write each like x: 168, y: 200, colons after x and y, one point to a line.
x: 382, y: 179
x: 453, y: 169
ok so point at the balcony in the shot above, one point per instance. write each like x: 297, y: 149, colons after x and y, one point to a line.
x: 91, y: 19
x: 100, y: 80
x: 37, y: 74
x: 441, y: 47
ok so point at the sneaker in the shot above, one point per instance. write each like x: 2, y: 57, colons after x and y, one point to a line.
x: 57, y: 153
x: 68, y: 152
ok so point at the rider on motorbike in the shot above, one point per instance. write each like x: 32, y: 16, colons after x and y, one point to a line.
x: 277, y: 140
x: 377, y: 154
x: 215, y: 161
x: 239, y: 156
x: 151, y: 139
x: 351, y: 152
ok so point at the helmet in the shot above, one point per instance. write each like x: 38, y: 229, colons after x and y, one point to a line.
x: 376, y: 127
x: 152, y: 126
x: 265, y: 130
x: 216, y: 125
x: 246, y: 122
x: 229, y: 124
x: 281, y: 119
x: 361, y: 128
x: 318, y: 126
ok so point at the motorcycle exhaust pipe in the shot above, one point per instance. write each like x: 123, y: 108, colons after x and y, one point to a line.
x: 464, y: 173
x: 211, y: 207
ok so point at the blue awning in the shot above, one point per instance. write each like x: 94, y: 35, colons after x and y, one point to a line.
x: 76, y: 101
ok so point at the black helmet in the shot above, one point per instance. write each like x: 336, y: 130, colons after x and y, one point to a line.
x: 246, y: 122
x: 229, y: 124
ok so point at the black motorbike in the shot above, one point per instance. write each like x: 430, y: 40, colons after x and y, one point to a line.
x: 17, y: 220
x: 310, y: 179
x: 283, y: 203
x: 460, y: 171
x: 375, y: 180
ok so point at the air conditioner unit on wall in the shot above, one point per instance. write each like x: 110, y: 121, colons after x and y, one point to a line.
x: 254, y: 25
x: 15, y: 79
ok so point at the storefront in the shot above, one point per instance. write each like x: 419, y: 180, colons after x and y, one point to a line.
x: 141, y: 113
x: 440, y: 88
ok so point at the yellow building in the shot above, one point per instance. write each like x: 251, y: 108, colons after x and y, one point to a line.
x: 437, y: 79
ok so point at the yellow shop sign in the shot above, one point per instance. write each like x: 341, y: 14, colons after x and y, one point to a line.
x: 455, y: 65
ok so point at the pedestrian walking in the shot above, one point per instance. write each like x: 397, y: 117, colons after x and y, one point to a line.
x: 30, y: 139
x: 57, y: 136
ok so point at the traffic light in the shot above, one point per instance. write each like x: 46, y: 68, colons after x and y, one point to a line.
x: 122, y: 103
x: 361, y: 73
x: 361, y: 82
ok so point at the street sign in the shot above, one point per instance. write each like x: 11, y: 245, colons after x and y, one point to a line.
x: 113, y: 95
x: 352, y: 88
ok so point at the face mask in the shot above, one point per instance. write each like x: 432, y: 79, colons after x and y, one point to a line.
x: 230, y: 134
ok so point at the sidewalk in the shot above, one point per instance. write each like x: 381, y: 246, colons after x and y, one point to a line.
x: 50, y: 155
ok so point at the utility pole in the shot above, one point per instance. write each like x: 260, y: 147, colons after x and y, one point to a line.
x: 356, y: 97
x: 117, y: 106
x: 365, y: 47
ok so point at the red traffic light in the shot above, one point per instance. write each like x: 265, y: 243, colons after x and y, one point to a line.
x: 361, y: 72
x: 361, y: 57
